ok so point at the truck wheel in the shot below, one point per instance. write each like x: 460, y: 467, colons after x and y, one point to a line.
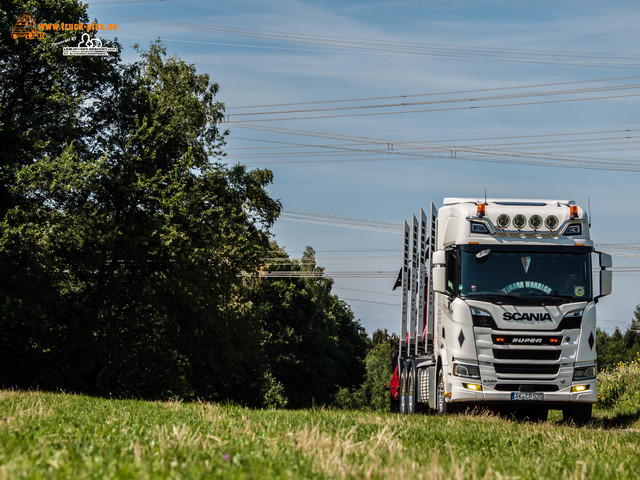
x: 411, y: 392
x: 579, y: 413
x: 443, y: 407
x: 403, y: 392
x: 394, y: 404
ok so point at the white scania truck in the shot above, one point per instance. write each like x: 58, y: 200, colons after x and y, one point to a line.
x: 498, y: 309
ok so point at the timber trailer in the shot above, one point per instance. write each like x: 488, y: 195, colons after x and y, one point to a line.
x: 498, y: 309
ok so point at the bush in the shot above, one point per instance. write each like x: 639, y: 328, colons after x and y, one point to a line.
x: 274, y: 394
x: 619, y: 387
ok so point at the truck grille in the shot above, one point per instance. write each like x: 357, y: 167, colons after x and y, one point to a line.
x: 500, y: 354
x: 526, y: 369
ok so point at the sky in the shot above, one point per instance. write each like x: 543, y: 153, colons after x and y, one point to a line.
x: 367, y: 112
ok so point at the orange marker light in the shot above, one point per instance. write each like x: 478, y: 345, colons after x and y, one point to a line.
x: 553, y: 340
x: 500, y: 340
x: 573, y: 211
x: 481, y: 210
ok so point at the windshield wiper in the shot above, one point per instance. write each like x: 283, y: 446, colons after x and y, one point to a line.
x: 520, y: 297
x: 561, y: 298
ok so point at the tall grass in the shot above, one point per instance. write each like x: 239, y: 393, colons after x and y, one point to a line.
x: 45, y: 435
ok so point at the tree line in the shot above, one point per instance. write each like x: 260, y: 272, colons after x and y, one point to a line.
x: 127, y: 244
x: 619, y: 347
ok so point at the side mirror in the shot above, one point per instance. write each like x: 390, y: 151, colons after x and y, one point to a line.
x: 606, y: 281
x: 439, y: 272
x: 605, y: 260
x: 606, y: 276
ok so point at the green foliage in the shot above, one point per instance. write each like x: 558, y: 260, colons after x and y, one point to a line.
x: 274, y: 395
x: 350, y: 399
x: 311, y: 339
x: 618, y: 347
x: 373, y: 393
x: 619, y: 388
x: 378, y: 376
x: 126, y: 238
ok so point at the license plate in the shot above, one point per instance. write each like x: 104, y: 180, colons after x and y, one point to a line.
x: 527, y: 396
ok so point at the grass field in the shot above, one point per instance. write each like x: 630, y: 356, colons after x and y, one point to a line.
x: 47, y: 435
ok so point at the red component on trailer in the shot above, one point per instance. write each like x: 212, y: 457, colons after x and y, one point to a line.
x: 395, y: 383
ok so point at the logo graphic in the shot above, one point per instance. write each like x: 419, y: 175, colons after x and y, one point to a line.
x: 88, y: 46
x: 517, y: 316
x: 526, y: 261
x: 578, y: 291
x: 526, y: 340
x: 26, y: 27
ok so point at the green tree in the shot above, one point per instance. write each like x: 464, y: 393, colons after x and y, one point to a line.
x: 126, y: 238
x: 311, y: 341
x: 123, y: 235
x: 47, y: 101
x: 619, y: 347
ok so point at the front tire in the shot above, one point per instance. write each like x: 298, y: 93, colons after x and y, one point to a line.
x: 403, y: 392
x: 411, y: 392
x: 579, y: 413
x: 442, y: 406
x: 394, y: 404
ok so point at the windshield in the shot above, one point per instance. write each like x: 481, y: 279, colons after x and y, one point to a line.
x: 526, y: 274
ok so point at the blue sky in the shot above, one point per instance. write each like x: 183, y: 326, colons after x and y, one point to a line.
x: 421, y: 47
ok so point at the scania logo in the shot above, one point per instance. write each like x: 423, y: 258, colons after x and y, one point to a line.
x: 538, y: 317
x: 526, y: 340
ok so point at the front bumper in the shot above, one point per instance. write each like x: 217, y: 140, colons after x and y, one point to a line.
x: 489, y: 395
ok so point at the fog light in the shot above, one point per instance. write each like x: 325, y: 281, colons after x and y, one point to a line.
x: 579, y: 388
x: 551, y: 222
x: 503, y: 221
x: 535, y: 221
x: 519, y: 221
x: 472, y: 386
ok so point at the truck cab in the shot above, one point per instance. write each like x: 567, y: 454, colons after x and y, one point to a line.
x: 511, y: 317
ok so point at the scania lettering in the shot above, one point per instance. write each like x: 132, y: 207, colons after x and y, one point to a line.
x: 538, y: 317
x: 499, y: 309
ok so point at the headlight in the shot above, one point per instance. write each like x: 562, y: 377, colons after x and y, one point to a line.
x: 571, y: 320
x: 481, y: 318
x: 582, y: 373
x: 463, y: 370
x: 573, y: 229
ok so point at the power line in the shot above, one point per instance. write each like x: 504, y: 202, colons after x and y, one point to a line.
x: 454, y: 92
x: 573, y: 91
x: 465, y: 153
x: 442, y: 109
x: 340, y: 221
x: 369, y: 301
x: 389, y: 47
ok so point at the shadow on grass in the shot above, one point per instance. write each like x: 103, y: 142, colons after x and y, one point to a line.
x: 601, y: 419
x: 615, y: 419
